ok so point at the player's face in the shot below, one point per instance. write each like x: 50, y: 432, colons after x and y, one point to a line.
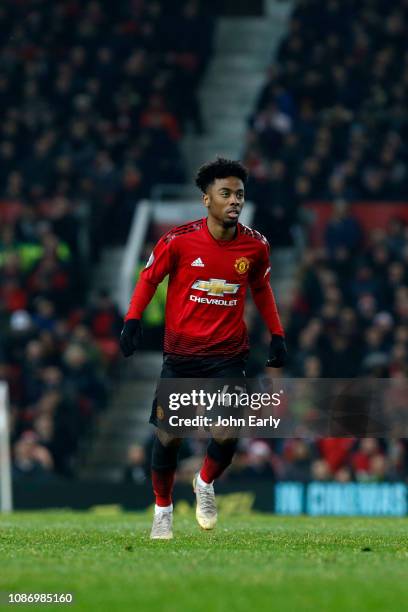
x: 225, y: 199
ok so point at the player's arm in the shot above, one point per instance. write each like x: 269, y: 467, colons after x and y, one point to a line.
x: 157, y: 267
x: 265, y: 302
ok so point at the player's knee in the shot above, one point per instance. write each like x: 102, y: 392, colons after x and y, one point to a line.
x: 167, y: 439
x: 222, y: 450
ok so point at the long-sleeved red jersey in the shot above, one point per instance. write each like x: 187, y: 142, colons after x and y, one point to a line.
x: 208, y: 281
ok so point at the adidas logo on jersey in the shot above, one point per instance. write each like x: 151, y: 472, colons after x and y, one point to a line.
x: 198, y: 263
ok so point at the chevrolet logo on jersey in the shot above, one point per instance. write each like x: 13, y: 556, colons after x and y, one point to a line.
x: 216, y: 286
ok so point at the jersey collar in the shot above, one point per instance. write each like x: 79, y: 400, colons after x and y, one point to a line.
x: 221, y: 243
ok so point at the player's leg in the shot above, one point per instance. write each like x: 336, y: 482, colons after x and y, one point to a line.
x: 218, y: 457
x: 220, y: 452
x: 164, y: 465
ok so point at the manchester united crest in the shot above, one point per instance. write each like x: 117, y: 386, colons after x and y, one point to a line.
x: 242, y: 265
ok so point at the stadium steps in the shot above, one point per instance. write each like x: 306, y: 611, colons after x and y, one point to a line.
x: 125, y: 422
x: 243, y: 50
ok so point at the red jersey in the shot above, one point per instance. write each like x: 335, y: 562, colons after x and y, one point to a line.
x: 208, y: 282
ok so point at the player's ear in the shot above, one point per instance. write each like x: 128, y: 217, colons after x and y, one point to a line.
x: 206, y: 200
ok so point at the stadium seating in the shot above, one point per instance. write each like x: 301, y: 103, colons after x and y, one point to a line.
x: 330, y: 124
x: 330, y: 121
x: 95, y: 98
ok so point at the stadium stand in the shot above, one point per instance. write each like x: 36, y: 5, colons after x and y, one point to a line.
x: 330, y: 124
x: 94, y: 99
x: 349, y: 318
x: 330, y: 121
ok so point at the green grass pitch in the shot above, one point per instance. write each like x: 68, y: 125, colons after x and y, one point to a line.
x: 253, y: 561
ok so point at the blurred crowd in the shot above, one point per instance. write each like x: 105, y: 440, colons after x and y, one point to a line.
x: 94, y: 99
x: 350, y: 318
x: 350, y: 314
x: 60, y: 368
x: 300, y: 460
x: 331, y: 122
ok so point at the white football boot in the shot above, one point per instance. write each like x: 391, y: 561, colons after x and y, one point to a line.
x: 206, y: 511
x: 162, y: 528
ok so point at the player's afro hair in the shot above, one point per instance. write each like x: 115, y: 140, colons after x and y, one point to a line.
x: 220, y: 168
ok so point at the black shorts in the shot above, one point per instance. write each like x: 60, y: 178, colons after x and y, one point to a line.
x: 199, y: 367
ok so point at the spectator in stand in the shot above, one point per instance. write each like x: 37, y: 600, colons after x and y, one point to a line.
x: 135, y: 470
x: 297, y: 460
x: 343, y: 232
x: 365, y: 459
x: 31, y: 459
x: 254, y: 461
x: 84, y: 384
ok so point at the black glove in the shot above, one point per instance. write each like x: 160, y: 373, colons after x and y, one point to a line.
x: 277, y: 352
x: 130, y: 336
